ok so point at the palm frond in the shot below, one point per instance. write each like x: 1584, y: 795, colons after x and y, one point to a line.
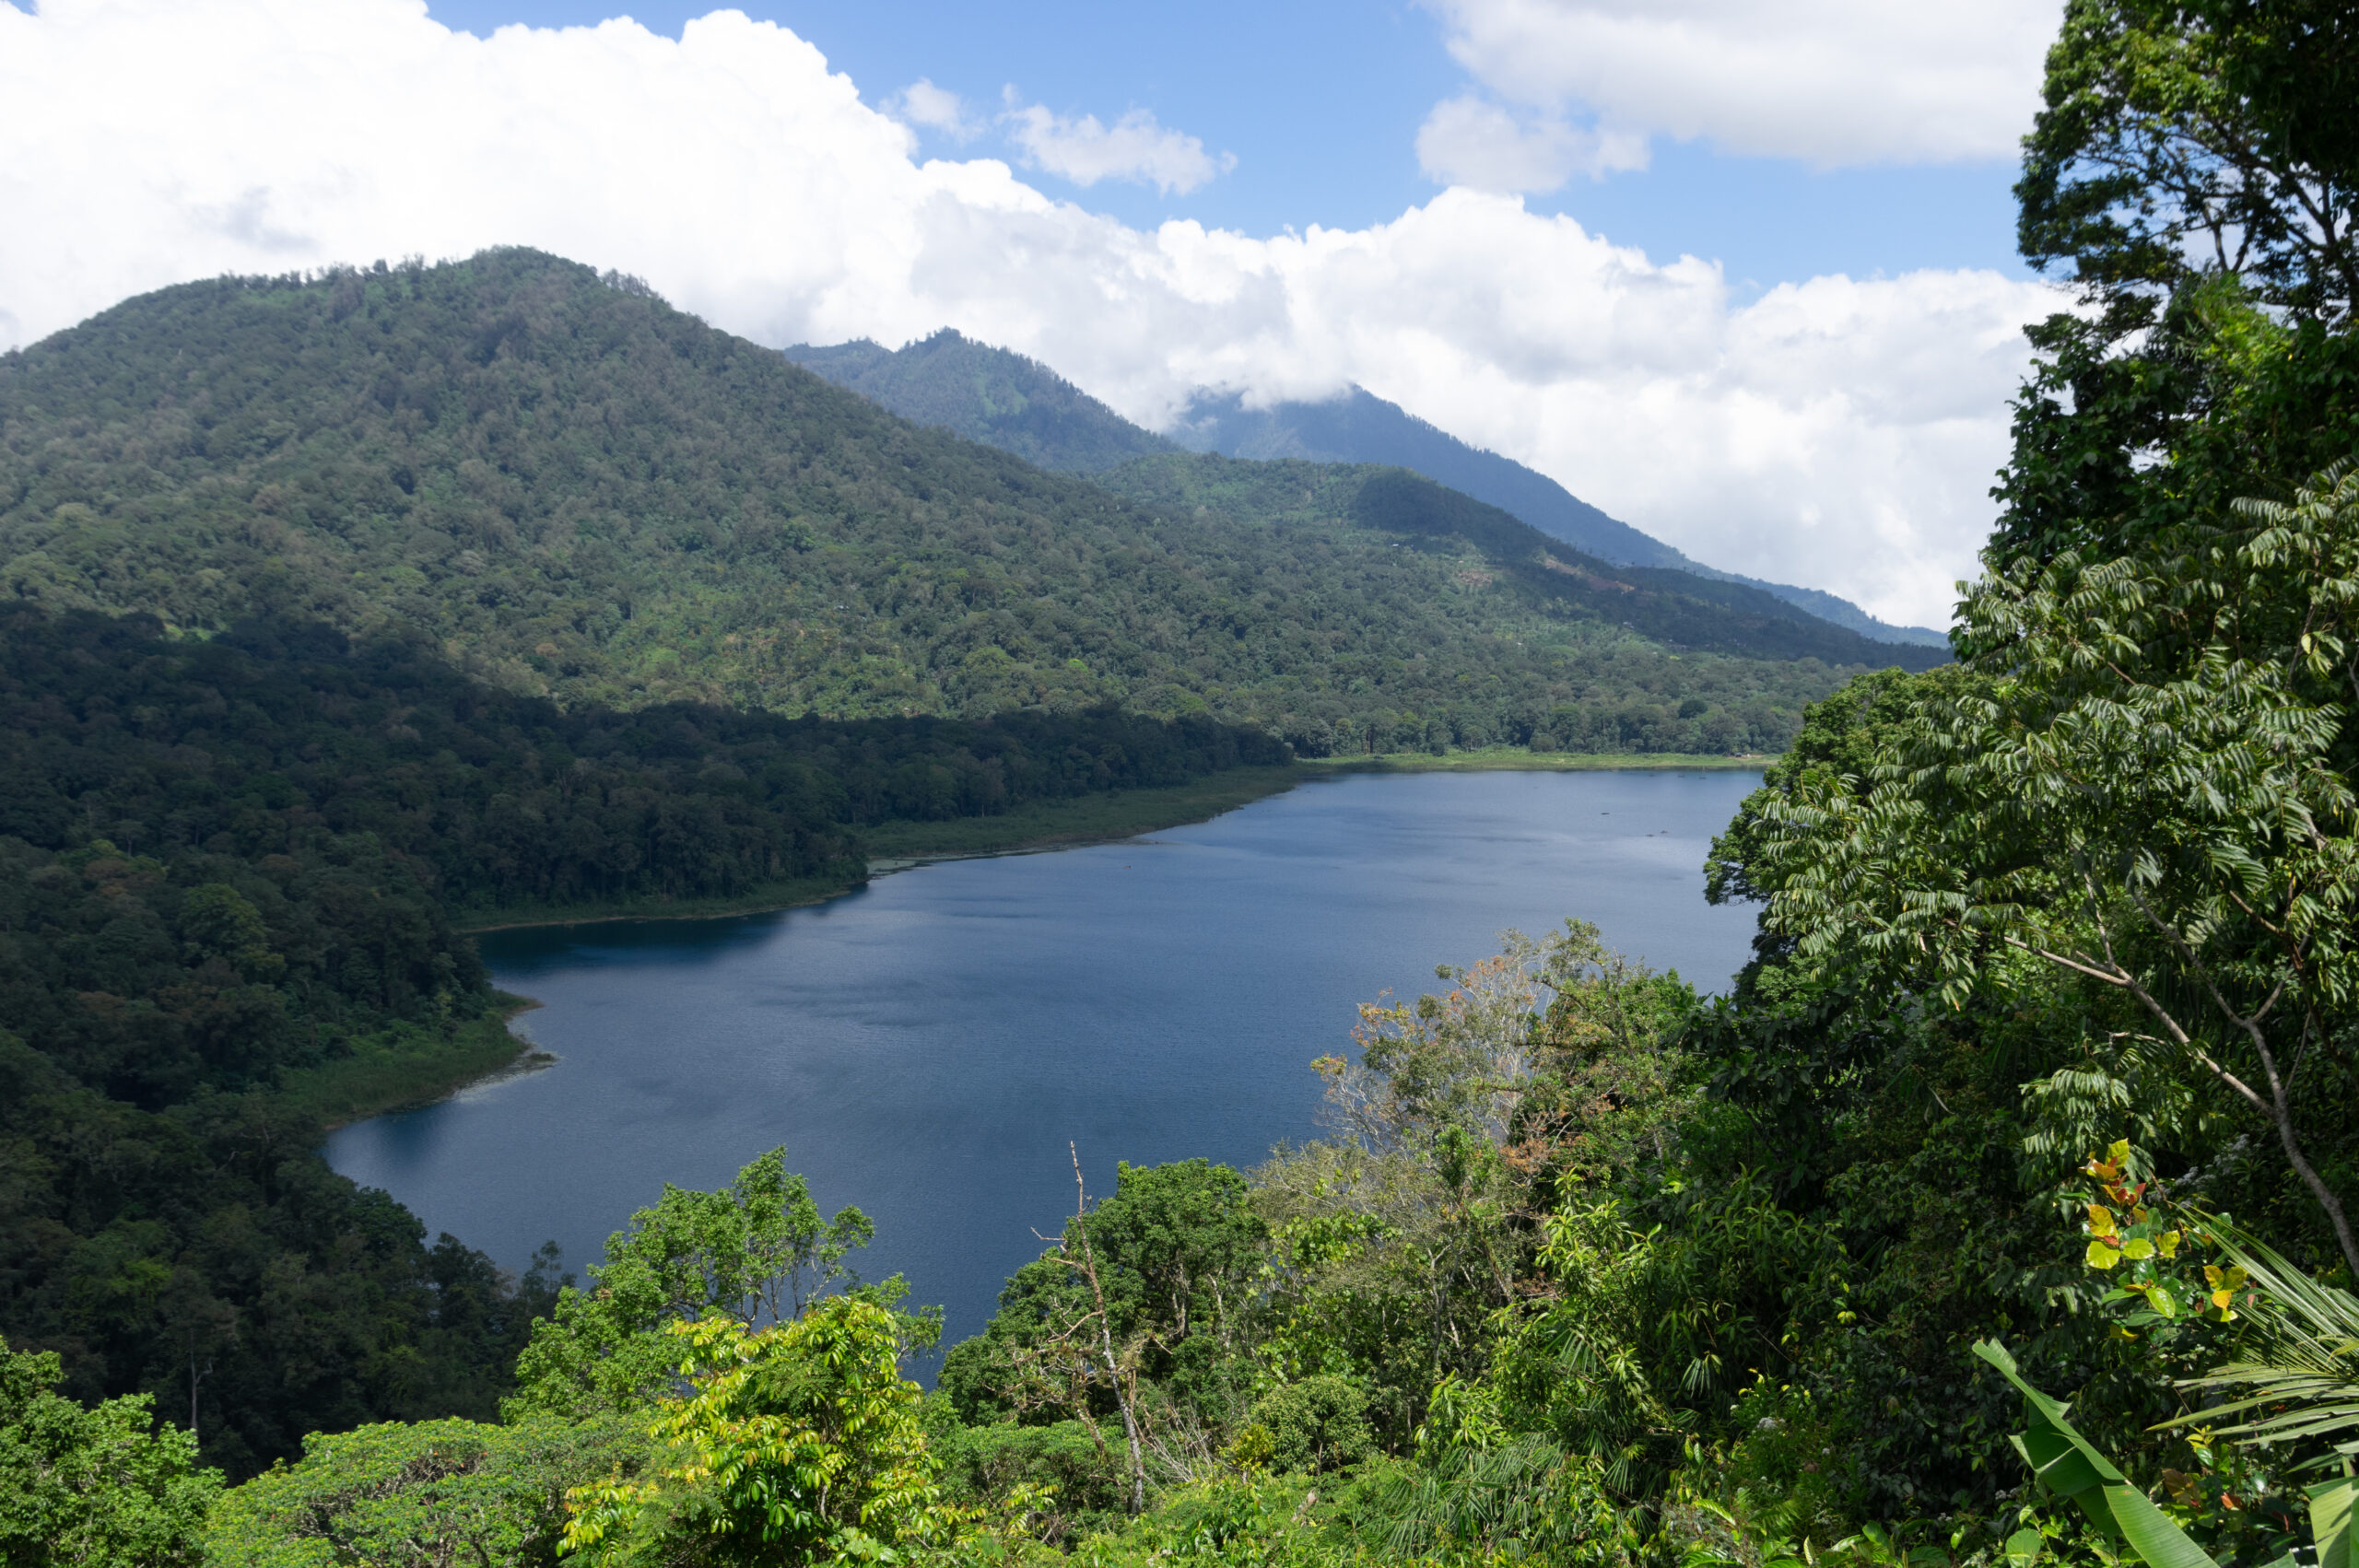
x: 2303, y: 1384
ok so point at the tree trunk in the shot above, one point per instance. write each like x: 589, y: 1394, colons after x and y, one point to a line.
x: 1106, y: 1340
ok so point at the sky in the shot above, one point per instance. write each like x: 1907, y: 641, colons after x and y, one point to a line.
x: 1742, y: 275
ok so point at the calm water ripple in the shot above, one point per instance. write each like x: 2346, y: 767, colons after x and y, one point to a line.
x: 926, y: 1048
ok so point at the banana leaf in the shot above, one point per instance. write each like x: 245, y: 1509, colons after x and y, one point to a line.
x: 2069, y: 1465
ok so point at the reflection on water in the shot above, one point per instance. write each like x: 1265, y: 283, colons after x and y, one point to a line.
x: 926, y: 1048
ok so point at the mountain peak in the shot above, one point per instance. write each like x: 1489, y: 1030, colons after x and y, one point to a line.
x: 993, y: 395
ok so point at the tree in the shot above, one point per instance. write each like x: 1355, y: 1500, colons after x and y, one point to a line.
x: 1152, y: 1286
x: 756, y: 1249
x: 2148, y: 788
x: 438, y: 1491
x: 95, y: 1488
x: 2195, y: 174
x: 1125, y: 1397
x: 2187, y: 137
x: 799, y: 1443
x: 1318, y: 1424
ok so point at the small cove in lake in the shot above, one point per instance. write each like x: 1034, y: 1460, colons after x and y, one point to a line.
x: 925, y: 1047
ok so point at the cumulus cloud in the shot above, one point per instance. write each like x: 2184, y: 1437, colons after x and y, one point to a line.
x: 1833, y: 82
x: 1834, y: 432
x: 936, y: 108
x: 1466, y: 141
x: 1134, y: 148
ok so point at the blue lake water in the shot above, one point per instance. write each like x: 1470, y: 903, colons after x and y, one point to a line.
x: 926, y: 1046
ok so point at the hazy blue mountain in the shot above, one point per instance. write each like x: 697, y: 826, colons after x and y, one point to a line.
x: 1362, y: 428
x: 986, y: 394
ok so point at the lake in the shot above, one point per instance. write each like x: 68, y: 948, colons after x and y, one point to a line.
x: 925, y: 1047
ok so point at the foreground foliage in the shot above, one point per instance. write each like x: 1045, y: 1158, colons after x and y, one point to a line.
x: 92, y: 1485
x: 436, y: 1491
x: 798, y: 1443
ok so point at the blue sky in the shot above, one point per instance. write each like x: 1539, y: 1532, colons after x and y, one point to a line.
x: 1320, y: 102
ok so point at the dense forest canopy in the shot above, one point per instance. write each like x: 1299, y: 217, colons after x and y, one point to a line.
x: 584, y: 494
x: 1670, y: 607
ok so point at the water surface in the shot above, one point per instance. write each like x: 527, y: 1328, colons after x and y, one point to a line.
x: 926, y: 1046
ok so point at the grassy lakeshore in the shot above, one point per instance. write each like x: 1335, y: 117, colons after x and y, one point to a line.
x: 1087, y: 819
x: 408, y: 1067
x: 1515, y: 759
x: 785, y: 895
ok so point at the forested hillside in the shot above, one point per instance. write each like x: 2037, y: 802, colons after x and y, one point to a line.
x: 1669, y: 608
x: 583, y: 493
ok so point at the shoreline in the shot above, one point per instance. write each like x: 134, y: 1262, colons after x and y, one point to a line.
x: 384, y: 1081
x: 899, y: 846
x: 1514, y: 759
x: 1038, y: 829
x: 1120, y: 813
x: 808, y: 891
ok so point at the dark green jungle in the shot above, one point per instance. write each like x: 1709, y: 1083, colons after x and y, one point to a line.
x: 1998, y: 1217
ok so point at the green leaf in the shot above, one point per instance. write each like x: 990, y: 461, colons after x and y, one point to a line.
x: 2068, y: 1464
x: 2151, y: 1533
x: 2330, y: 1520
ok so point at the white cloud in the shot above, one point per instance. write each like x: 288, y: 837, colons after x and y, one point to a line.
x: 936, y: 108
x: 1828, y: 81
x: 1134, y: 148
x: 1834, y: 432
x: 1466, y: 141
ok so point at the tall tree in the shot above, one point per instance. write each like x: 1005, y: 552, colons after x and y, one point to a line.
x: 2194, y: 175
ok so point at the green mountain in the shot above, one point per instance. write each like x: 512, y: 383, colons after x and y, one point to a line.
x: 1003, y: 399
x: 1362, y: 428
x: 986, y: 394
x: 582, y: 493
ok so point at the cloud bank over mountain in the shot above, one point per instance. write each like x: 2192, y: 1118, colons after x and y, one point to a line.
x: 1836, y: 431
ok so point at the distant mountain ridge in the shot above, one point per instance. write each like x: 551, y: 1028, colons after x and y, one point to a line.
x: 1006, y: 400
x: 1359, y: 426
x: 993, y: 395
